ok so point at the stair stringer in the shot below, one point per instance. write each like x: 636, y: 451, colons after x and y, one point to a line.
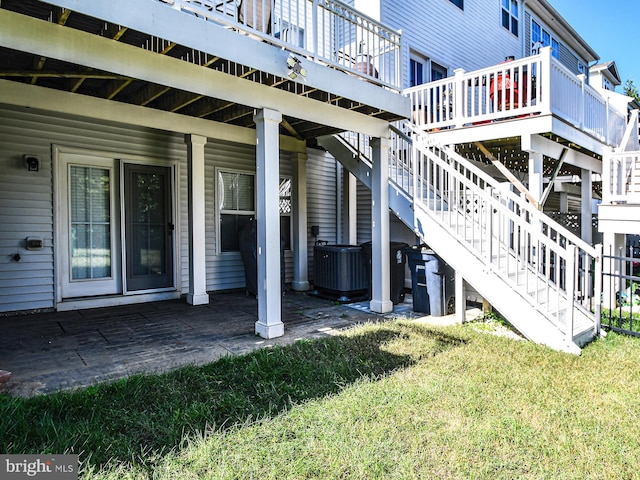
x: 399, y: 202
x: 517, y: 309
x: 511, y: 303
x: 350, y: 159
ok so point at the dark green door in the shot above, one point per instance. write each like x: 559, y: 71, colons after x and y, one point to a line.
x: 148, y: 227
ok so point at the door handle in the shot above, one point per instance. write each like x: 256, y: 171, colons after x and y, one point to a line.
x: 171, y: 227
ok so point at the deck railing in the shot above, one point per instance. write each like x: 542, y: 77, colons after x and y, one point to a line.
x: 541, y: 259
x: 621, y: 169
x: 536, y: 85
x: 326, y: 31
x: 548, y: 264
x: 621, y: 179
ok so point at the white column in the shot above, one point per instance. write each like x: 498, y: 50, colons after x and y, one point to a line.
x: 349, y: 208
x: 380, y: 267
x: 536, y: 186
x: 614, y: 244
x: 564, y: 202
x: 586, y: 196
x: 269, y: 324
x: 197, y: 294
x: 299, y: 218
x: 461, y: 298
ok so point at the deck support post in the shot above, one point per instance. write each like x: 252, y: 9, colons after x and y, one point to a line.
x: 380, y: 261
x: 269, y: 324
x: 536, y: 186
x: 349, y: 208
x: 197, y: 294
x: 586, y: 198
x: 461, y: 298
x: 299, y: 218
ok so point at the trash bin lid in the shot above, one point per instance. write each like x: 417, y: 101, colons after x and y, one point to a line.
x: 419, y: 249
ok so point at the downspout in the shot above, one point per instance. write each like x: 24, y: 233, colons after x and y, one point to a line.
x: 523, y: 29
x: 340, y: 237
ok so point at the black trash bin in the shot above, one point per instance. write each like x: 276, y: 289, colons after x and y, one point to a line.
x: 397, y: 263
x: 432, y: 281
x: 248, y: 245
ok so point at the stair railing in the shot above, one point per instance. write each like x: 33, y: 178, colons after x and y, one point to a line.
x: 546, y: 263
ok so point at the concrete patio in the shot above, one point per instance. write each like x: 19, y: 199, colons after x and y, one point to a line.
x: 47, y: 352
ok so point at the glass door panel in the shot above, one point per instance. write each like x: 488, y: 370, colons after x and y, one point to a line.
x: 90, y: 191
x: 89, y: 257
x: 149, y: 227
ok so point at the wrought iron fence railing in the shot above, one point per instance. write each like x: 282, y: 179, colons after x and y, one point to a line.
x: 621, y: 290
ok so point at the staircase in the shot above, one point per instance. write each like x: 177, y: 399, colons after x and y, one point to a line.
x: 542, y: 278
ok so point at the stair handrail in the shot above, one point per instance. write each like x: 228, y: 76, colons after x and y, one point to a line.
x: 492, y: 182
x: 553, y: 269
x: 550, y: 244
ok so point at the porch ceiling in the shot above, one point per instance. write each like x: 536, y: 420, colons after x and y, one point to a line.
x: 29, y: 68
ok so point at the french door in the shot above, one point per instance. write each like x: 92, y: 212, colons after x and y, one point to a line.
x: 115, y: 226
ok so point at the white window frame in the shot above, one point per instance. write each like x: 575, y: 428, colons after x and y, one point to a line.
x: 421, y: 62
x: 539, y: 43
x: 508, y: 6
x: 220, y: 211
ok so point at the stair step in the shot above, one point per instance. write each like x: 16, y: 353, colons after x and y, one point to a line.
x: 457, y: 232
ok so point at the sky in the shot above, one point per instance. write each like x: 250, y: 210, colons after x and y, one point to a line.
x: 609, y: 27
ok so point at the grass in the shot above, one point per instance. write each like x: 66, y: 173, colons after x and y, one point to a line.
x: 622, y: 318
x: 395, y: 400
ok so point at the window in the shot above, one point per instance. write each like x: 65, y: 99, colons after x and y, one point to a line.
x: 90, y: 222
x: 438, y: 72
x: 236, y: 196
x: 458, y: 3
x: 292, y: 34
x: 510, y: 15
x: 286, y: 209
x: 416, y: 69
x: 237, y: 208
x: 542, y: 38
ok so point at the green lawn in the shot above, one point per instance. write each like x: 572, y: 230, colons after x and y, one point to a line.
x: 622, y: 318
x: 394, y: 400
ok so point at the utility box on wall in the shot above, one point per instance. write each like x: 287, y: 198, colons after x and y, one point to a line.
x: 34, y: 243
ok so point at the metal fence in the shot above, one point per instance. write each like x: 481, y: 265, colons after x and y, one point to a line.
x: 621, y: 289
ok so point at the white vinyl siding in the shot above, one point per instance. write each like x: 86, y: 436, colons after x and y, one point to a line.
x: 321, y: 200
x: 363, y: 222
x: 28, y: 209
x: 472, y: 38
x: 27, y: 197
x: 225, y: 270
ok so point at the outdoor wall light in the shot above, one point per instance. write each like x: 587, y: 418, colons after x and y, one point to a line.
x: 32, y: 162
x: 295, y: 66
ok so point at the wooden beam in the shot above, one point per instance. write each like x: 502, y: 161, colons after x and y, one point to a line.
x: 287, y: 126
x: 33, y: 96
x: 91, y: 51
x: 507, y: 173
